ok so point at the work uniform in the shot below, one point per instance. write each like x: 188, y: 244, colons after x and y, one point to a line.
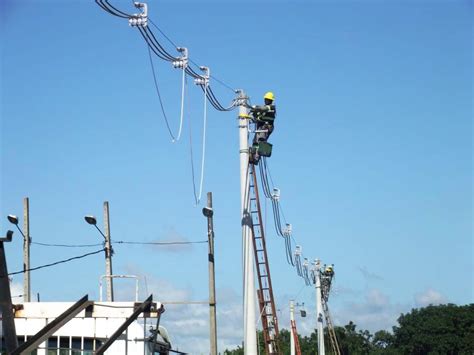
x: 264, y: 116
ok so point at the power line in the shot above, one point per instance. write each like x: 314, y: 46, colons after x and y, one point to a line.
x: 68, y: 245
x: 56, y: 263
x: 159, y: 243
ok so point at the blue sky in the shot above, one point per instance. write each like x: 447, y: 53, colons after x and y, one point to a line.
x: 372, y: 149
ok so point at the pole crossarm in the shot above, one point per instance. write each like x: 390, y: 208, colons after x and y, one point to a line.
x: 52, y: 327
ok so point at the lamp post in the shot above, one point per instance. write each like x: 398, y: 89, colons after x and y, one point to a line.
x: 108, y: 249
x: 26, y: 246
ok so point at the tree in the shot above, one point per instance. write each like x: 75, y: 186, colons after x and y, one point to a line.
x: 445, y: 329
x: 433, y: 330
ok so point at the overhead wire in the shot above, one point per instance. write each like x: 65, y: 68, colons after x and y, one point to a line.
x: 160, y: 243
x: 154, y: 45
x: 56, y: 263
x: 68, y: 245
x: 165, y: 116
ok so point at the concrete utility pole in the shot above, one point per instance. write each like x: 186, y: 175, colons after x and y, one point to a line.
x: 26, y: 250
x: 209, y: 213
x: 250, y: 328
x: 292, y: 335
x: 319, y: 307
x: 108, y: 254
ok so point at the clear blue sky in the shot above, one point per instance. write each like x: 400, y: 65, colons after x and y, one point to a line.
x: 372, y: 148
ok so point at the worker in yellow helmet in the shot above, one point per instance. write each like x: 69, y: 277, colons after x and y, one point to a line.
x: 264, y: 117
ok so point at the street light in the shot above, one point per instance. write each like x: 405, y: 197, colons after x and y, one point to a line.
x: 93, y: 221
x: 13, y: 219
x: 207, y: 212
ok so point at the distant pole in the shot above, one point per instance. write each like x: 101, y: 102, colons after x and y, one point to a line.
x: 319, y: 307
x: 26, y: 250
x: 250, y: 328
x: 209, y: 213
x: 108, y: 254
x: 6, y: 307
x: 292, y: 332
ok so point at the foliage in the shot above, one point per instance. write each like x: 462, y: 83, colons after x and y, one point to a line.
x: 438, y: 330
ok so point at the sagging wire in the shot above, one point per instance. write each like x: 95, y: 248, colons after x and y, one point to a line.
x: 306, y: 275
x: 104, y: 4
x: 159, y: 97
x: 140, y: 21
x: 182, y: 63
x: 55, y: 263
x: 201, y: 81
x: 160, y: 243
x: 68, y: 245
x: 299, y: 267
x: 289, y: 251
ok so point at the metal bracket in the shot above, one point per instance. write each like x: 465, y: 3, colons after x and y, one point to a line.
x: 182, y: 63
x: 141, y: 19
x: 204, y: 79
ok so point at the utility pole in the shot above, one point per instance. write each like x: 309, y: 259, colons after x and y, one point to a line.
x: 26, y: 250
x: 6, y: 307
x: 319, y: 307
x: 108, y: 254
x: 209, y: 213
x: 250, y: 328
x: 292, y: 335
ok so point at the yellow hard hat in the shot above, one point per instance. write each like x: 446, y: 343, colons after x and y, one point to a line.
x: 269, y: 95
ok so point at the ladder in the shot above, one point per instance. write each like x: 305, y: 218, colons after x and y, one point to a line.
x: 266, y: 300
x: 332, y: 333
x: 295, y: 335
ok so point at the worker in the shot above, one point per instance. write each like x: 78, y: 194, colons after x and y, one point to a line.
x: 264, y: 117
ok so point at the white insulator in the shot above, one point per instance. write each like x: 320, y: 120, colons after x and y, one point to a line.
x: 139, y: 21
x: 276, y: 194
x: 298, y: 250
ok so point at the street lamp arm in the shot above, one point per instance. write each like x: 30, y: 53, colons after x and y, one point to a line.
x: 100, y: 232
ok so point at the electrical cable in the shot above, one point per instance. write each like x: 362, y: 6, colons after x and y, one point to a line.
x: 203, y: 146
x: 159, y: 96
x: 159, y: 243
x: 149, y: 34
x: 164, y: 35
x: 184, y: 83
x: 56, y: 263
x: 69, y: 245
x: 151, y: 45
x: 115, y: 9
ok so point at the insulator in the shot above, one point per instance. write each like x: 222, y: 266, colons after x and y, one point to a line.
x: 276, y: 194
x: 298, y: 250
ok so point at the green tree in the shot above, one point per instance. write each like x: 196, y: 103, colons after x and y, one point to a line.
x: 445, y: 329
